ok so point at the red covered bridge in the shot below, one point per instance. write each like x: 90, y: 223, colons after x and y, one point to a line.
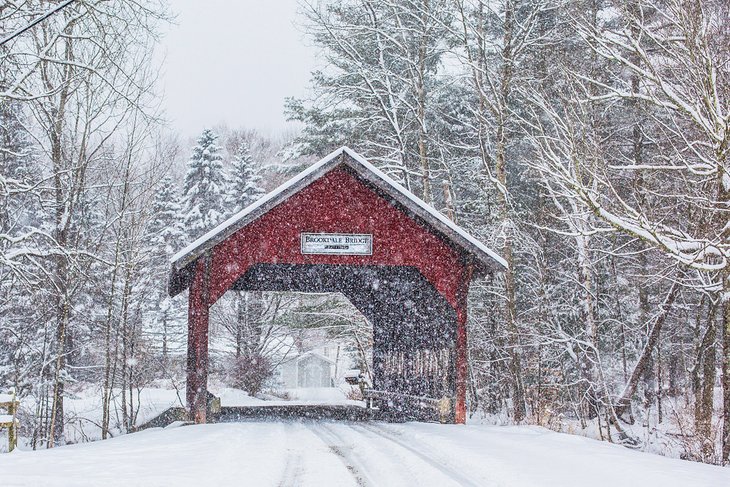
x: 344, y: 226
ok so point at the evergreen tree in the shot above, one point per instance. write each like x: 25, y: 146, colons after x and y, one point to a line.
x: 245, y: 181
x: 204, y: 187
x: 164, y: 230
x: 377, y: 94
x: 165, y: 234
x: 251, y: 367
x: 17, y: 206
x: 19, y: 210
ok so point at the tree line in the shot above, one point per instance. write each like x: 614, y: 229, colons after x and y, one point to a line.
x: 586, y: 141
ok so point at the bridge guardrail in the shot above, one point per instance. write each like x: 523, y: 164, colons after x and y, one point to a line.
x: 418, y: 407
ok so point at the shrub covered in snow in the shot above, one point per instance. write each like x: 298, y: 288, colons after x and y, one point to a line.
x: 250, y: 372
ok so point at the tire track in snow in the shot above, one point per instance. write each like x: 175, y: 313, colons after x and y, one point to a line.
x: 389, y: 463
x: 293, y: 460
x: 343, y: 453
x: 292, y: 469
x: 425, y: 454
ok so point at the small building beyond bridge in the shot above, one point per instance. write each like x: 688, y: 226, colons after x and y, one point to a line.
x: 344, y: 226
x: 307, y: 370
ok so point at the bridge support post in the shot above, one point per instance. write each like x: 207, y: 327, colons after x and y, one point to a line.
x: 461, y: 346
x: 197, y: 363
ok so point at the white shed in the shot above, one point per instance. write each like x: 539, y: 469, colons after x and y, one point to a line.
x: 309, y: 369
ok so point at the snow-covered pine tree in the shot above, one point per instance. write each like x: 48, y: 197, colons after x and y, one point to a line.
x: 245, y: 183
x: 251, y: 367
x: 165, y: 230
x: 204, y: 188
x: 165, y: 234
x: 19, y: 205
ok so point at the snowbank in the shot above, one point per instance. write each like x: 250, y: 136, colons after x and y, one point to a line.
x: 320, y: 453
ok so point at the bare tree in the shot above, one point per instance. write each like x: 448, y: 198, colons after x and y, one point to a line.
x: 81, y: 75
x: 671, y: 52
x: 495, y: 38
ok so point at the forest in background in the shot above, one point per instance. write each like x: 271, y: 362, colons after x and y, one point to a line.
x: 585, y: 141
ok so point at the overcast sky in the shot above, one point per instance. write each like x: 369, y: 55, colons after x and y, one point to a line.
x: 234, y: 62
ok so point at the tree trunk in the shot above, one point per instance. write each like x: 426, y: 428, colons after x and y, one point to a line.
x: 421, y: 110
x: 623, y: 403
x: 589, y: 358
x: 61, y: 277
x: 106, y: 387
x: 723, y: 203
x: 518, y: 388
x: 705, y: 387
x: 125, y: 344
x: 726, y: 367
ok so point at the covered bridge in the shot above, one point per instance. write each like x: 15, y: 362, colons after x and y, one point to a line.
x: 344, y: 226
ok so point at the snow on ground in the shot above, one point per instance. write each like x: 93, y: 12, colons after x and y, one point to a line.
x: 666, y: 437
x: 236, y: 397
x: 320, y: 453
x: 83, y: 410
x: 321, y: 395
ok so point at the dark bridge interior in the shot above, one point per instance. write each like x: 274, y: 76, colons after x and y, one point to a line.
x: 413, y: 325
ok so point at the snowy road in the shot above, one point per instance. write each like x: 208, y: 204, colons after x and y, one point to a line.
x: 318, y: 453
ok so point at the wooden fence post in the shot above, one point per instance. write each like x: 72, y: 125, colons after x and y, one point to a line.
x: 11, y: 406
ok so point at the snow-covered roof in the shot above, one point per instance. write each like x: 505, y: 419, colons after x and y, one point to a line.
x: 314, y: 354
x: 486, y: 258
x: 5, y: 398
x: 311, y: 353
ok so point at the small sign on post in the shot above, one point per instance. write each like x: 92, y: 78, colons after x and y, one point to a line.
x: 337, y: 243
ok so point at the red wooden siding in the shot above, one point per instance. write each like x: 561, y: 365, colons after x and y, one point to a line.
x: 337, y: 203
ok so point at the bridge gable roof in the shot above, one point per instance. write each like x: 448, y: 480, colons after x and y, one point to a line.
x: 485, y: 260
